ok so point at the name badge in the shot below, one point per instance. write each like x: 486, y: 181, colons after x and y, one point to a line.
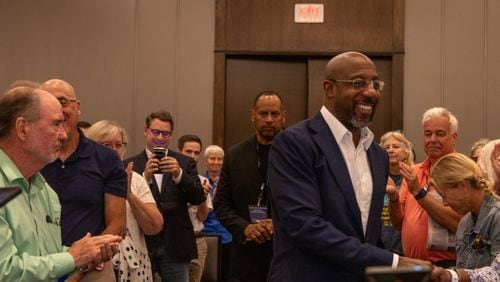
x: 257, y: 213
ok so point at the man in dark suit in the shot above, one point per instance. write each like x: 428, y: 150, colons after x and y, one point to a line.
x: 327, y: 181
x: 241, y: 198
x: 174, y: 182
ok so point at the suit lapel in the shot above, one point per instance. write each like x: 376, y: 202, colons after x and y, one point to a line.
x: 379, y: 179
x: 327, y: 144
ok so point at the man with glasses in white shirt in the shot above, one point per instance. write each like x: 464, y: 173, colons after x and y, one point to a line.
x: 327, y: 181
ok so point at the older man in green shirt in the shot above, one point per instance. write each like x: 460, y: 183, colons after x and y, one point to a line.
x: 31, y: 133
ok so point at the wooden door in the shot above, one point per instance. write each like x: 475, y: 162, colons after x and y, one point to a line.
x: 247, y: 76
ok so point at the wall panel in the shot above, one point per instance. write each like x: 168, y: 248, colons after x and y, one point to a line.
x: 463, y: 66
x: 452, y: 50
x: 124, y: 58
x: 268, y: 26
x: 423, y: 66
x: 491, y: 103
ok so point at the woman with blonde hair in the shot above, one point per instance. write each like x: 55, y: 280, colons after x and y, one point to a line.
x: 464, y: 187
x: 489, y: 162
x: 399, y: 149
x: 143, y: 216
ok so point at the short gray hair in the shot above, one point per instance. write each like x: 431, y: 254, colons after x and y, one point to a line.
x: 213, y: 149
x: 441, y: 112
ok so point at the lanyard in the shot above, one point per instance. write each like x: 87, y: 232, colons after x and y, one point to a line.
x: 263, y: 183
x: 261, y: 195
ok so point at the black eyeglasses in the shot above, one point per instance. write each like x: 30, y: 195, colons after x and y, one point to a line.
x: 157, y: 133
x: 362, y: 83
x: 65, y: 101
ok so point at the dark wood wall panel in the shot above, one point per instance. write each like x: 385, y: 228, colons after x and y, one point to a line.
x: 259, y: 29
x: 268, y: 26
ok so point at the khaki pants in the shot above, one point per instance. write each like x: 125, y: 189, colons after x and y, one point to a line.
x: 197, y: 265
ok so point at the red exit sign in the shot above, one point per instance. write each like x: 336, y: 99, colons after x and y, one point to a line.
x: 309, y: 13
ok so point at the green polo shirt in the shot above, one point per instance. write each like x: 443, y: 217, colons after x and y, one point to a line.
x: 30, y: 235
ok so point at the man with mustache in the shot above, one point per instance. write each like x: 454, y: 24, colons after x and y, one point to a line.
x: 418, y: 210
x: 31, y: 249
x: 241, y: 200
x: 327, y: 181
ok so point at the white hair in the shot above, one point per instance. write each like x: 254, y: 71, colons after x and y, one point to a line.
x: 484, y: 161
x: 213, y: 149
x: 441, y: 112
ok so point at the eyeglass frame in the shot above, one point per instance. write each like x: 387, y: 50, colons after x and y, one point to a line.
x: 366, y: 82
x: 65, y: 101
x: 115, y: 146
x: 157, y: 132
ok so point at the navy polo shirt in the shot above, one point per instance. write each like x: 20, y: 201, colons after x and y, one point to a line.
x: 80, y: 182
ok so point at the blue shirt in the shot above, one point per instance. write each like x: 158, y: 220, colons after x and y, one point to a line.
x: 485, y: 228
x: 80, y: 182
x: 212, y: 224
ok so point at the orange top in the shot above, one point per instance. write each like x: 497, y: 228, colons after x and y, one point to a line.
x: 415, y: 222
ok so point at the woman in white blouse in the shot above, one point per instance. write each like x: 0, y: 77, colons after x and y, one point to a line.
x: 143, y: 216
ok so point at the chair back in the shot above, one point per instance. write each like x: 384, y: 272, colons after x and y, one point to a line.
x: 211, y: 272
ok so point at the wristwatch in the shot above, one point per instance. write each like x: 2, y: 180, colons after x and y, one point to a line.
x: 420, y: 194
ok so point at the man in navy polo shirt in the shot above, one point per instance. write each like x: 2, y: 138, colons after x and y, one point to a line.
x: 89, y: 179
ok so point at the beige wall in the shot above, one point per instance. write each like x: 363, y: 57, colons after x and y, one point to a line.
x: 452, y: 54
x: 127, y: 58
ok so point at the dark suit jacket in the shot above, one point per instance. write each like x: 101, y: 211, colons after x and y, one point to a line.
x: 239, y: 187
x: 318, y: 230
x: 177, y: 237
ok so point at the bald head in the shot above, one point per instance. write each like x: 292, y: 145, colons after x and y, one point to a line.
x: 54, y: 85
x: 352, y: 90
x: 65, y: 94
x: 340, y: 64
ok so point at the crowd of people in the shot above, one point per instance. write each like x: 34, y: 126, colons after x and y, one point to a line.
x: 318, y: 201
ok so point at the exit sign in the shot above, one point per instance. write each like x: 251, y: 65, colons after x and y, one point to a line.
x: 309, y: 13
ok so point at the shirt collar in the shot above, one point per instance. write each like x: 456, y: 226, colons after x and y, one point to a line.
x: 15, y: 177
x: 340, y: 132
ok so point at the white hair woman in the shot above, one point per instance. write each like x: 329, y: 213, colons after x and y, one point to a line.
x: 214, y: 158
x: 143, y: 216
x: 489, y: 162
x: 399, y: 149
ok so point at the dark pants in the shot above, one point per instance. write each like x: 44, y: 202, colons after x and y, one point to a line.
x: 226, y: 261
x: 251, y: 262
x: 170, y: 270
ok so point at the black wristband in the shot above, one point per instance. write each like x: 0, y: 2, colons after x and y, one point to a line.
x: 420, y: 194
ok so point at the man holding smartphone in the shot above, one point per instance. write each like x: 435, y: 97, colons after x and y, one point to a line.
x: 174, y: 182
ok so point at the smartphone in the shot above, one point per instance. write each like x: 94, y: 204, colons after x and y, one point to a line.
x: 7, y: 194
x: 159, y: 152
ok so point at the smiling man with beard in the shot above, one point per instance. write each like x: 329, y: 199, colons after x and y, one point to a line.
x: 327, y: 181
x: 241, y: 200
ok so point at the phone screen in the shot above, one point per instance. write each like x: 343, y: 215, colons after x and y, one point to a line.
x: 159, y: 152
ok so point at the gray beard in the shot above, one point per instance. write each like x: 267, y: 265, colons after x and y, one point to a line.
x: 358, y: 123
